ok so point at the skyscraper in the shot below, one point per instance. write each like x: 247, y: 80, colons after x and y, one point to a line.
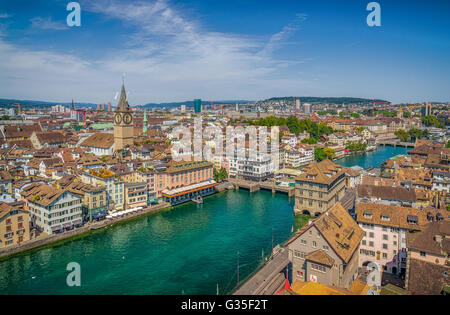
x: 307, y: 108
x: 298, y: 104
x: 198, y: 106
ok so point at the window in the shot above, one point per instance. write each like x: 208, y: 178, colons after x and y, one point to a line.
x: 384, y: 256
x: 299, y: 254
x: 423, y: 254
x: 371, y: 235
x: 385, y: 237
x: 314, y: 244
x: 318, y: 268
x: 371, y: 244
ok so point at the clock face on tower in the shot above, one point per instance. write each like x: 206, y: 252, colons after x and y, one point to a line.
x: 127, y: 119
x: 118, y: 119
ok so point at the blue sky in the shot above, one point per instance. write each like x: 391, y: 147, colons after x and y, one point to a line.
x: 215, y: 50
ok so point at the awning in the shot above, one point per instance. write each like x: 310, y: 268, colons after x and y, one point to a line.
x: 77, y: 222
x: 56, y: 228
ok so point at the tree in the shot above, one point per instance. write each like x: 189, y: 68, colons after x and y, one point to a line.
x: 319, y: 154
x: 432, y: 121
x: 330, y: 153
x: 220, y: 174
x: 418, y: 134
x: 402, y: 135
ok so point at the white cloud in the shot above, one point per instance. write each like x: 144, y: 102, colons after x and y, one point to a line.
x: 47, y: 24
x: 185, y: 61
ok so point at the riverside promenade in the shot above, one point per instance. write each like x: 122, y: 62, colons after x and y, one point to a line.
x: 269, y: 279
x: 49, y: 239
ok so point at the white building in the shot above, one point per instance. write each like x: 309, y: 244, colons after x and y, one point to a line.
x: 52, y: 210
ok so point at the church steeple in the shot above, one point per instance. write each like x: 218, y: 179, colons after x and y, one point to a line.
x: 123, y: 105
x: 144, y: 128
x: 123, y: 122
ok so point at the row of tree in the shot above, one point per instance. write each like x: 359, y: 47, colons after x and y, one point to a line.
x: 295, y: 125
x: 412, y: 134
x: 356, y: 146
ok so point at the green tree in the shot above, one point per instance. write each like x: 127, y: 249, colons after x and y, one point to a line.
x: 329, y: 153
x: 319, y: 154
x: 220, y: 175
x: 402, y: 135
x: 432, y: 121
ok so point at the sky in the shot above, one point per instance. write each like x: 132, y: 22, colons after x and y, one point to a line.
x: 169, y: 51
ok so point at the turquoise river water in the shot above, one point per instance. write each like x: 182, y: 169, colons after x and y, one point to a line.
x: 190, y: 249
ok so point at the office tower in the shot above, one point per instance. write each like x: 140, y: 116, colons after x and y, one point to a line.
x: 307, y: 108
x: 198, y: 106
x: 298, y: 104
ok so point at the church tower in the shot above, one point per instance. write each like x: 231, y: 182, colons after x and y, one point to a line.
x: 123, y: 123
x: 145, y: 122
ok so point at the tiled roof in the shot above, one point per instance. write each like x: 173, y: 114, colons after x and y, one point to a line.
x: 321, y: 257
x: 324, y: 172
x: 99, y: 140
x: 387, y: 192
x: 393, y: 216
x: 426, y: 241
x: 427, y: 278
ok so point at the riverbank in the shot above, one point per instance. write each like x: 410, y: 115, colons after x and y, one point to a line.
x: 54, y: 239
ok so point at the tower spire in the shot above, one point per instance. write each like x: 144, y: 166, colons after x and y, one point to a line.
x: 144, y: 128
x: 123, y: 105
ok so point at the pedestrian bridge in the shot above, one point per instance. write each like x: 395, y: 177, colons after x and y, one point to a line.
x: 255, y: 186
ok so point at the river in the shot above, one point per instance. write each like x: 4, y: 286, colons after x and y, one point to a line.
x: 189, y: 249
x: 373, y: 158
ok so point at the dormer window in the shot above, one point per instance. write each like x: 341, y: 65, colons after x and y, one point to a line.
x: 385, y: 218
x: 368, y: 215
x: 412, y: 219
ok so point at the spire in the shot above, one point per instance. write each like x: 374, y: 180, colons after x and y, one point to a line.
x: 123, y: 105
x: 144, y: 128
x: 73, y: 105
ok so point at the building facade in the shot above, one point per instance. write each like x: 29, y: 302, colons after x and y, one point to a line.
x: 319, y: 188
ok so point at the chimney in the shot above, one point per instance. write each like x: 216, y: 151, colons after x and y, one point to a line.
x: 438, y: 239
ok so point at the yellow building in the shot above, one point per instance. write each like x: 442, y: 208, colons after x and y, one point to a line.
x: 14, y: 225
